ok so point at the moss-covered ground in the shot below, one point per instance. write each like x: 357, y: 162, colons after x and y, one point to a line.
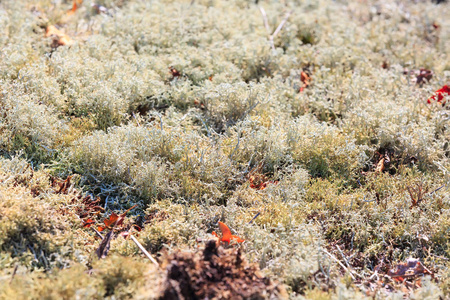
x: 303, y: 125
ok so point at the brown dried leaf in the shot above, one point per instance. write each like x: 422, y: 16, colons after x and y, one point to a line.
x: 86, y: 207
x: 59, y: 38
x: 259, y: 181
x: 424, y: 76
x: 174, y: 72
x: 99, y: 9
x: 103, y: 249
x: 380, y: 166
x: 420, y: 76
x: 64, y: 186
x: 88, y: 223
x: 305, y: 79
x: 417, y: 194
x: 413, y: 267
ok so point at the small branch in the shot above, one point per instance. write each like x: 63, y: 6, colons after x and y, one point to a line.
x: 98, y: 233
x: 437, y: 189
x: 266, y: 24
x: 349, y: 270
x: 343, y: 256
x: 14, y: 273
x: 339, y: 262
x: 144, y: 251
x: 274, y: 34
x: 249, y: 110
x: 103, y: 249
x: 254, y: 218
x: 374, y: 275
x: 237, y: 145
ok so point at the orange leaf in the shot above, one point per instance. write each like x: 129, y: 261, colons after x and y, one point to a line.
x: 237, y: 239
x: 88, y: 223
x: 60, y: 39
x: 226, y: 234
x: 75, y: 5
x: 258, y: 181
x: 112, y: 219
x: 305, y: 79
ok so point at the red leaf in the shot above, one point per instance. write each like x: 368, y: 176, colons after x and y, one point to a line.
x: 115, y: 220
x: 88, y: 223
x: 441, y: 93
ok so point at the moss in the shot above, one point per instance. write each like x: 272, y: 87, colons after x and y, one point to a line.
x: 210, y: 122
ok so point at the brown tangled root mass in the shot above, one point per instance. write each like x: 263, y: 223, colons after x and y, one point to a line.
x: 216, y: 273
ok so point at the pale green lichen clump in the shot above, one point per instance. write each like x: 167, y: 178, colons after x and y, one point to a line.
x: 182, y: 107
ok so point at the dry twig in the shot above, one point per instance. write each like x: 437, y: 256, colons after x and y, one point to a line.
x: 98, y: 233
x: 144, y: 251
x: 348, y: 269
x: 340, y: 263
x: 417, y: 194
x: 266, y: 24
x: 254, y: 218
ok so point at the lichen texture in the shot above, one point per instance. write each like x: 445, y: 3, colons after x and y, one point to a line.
x: 211, y: 149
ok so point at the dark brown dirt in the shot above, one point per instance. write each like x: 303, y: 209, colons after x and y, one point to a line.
x: 216, y: 273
